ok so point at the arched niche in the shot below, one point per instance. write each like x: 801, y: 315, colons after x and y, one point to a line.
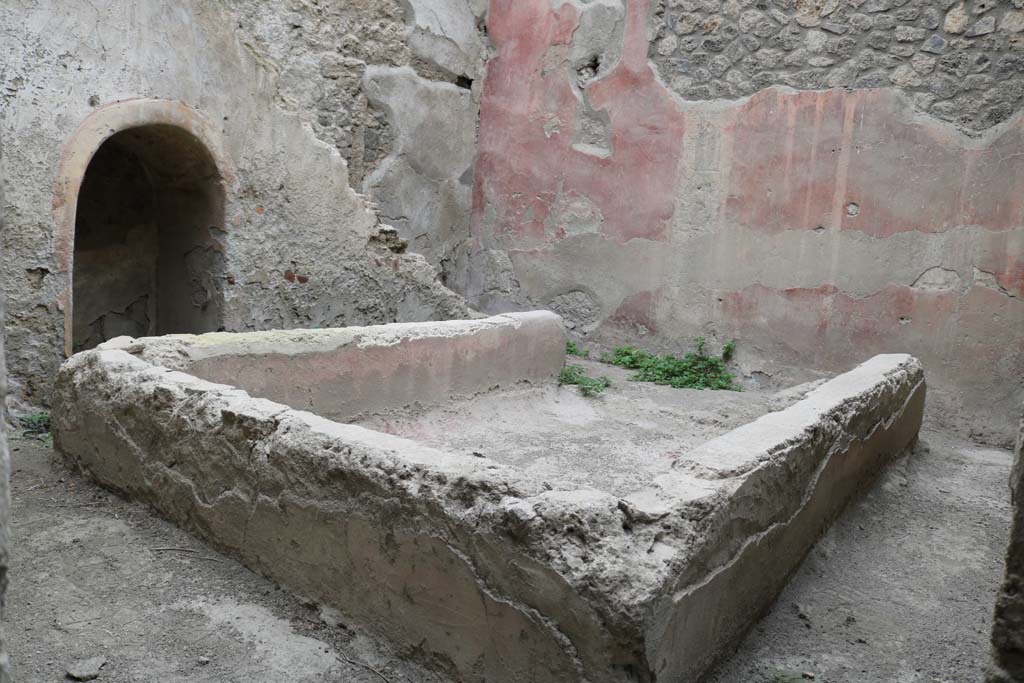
x: 139, y: 208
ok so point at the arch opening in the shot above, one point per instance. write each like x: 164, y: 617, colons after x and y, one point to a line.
x: 147, y: 260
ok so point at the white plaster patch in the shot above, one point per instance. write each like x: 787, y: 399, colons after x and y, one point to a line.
x: 937, y: 278
x: 573, y: 214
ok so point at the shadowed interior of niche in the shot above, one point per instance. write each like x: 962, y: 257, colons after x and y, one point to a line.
x: 147, y: 260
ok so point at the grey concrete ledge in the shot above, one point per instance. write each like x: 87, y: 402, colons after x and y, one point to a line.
x: 491, y: 574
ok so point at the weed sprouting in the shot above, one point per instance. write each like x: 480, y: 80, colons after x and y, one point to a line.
x: 627, y: 357
x: 694, y: 370
x: 571, y: 349
x: 589, y: 386
x: 728, y: 349
x: 36, y: 425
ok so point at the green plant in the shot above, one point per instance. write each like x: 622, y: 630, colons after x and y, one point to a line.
x: 694, y: 370
x: 728, y: 349
x: 36, y: 424
x: 627, y: 357
x: 571, y: 349
x: 589, y: 386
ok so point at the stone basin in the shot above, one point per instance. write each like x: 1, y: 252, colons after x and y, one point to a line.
x: 433, y: 483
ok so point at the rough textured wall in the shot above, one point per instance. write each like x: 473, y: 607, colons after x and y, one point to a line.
x: 301, y: 248
x: 960, y: 61
x: 815, y: 227
x: 1008, y: 629
x: 322, y: 48
x: 5, y: 466
x: 390, y: 83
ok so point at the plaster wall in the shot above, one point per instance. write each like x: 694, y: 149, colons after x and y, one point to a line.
x: 300, y: 247
x: 815, y: 226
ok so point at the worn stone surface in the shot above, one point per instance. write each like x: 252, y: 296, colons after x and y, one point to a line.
x: 797, y: 222
x: 549, y: 583
x: 617, y: 442
x: 89, y: 583
x: 300, y: 247
x: 1008, y: 629
x: 187, y: 615
x: 5, y: 463
x: 713, y: 50
x: 906, y: 572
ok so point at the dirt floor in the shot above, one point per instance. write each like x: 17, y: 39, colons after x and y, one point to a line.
x: 95, y: 576
x: 903, y: 586
x: 899, y: 591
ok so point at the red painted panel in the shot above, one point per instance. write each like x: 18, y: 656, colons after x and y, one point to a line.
x: 638, y: 311
x: 821, y: 325
x: 800, y: 159
x: 792, y: 160
x: 522, y: 168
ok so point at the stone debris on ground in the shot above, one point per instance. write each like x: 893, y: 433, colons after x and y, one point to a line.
x: 86, y: 669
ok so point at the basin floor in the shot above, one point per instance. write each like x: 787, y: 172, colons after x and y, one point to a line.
x: 900, y: 590
x: 616, y: 442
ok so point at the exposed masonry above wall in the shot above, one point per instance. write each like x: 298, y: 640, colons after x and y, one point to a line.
x: 962, y: 61
x: 321, y: 49
x: 390, y: 84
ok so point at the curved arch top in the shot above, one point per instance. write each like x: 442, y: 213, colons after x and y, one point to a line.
x: 78, y: 152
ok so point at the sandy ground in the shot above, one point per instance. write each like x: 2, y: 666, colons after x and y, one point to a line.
x: 616, y: 441
x: 900, y: 591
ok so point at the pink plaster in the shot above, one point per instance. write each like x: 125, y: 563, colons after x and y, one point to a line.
x: 522, y: 169
x: 800, y: 159
x: 822, y: 325
x: 638, y: 311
